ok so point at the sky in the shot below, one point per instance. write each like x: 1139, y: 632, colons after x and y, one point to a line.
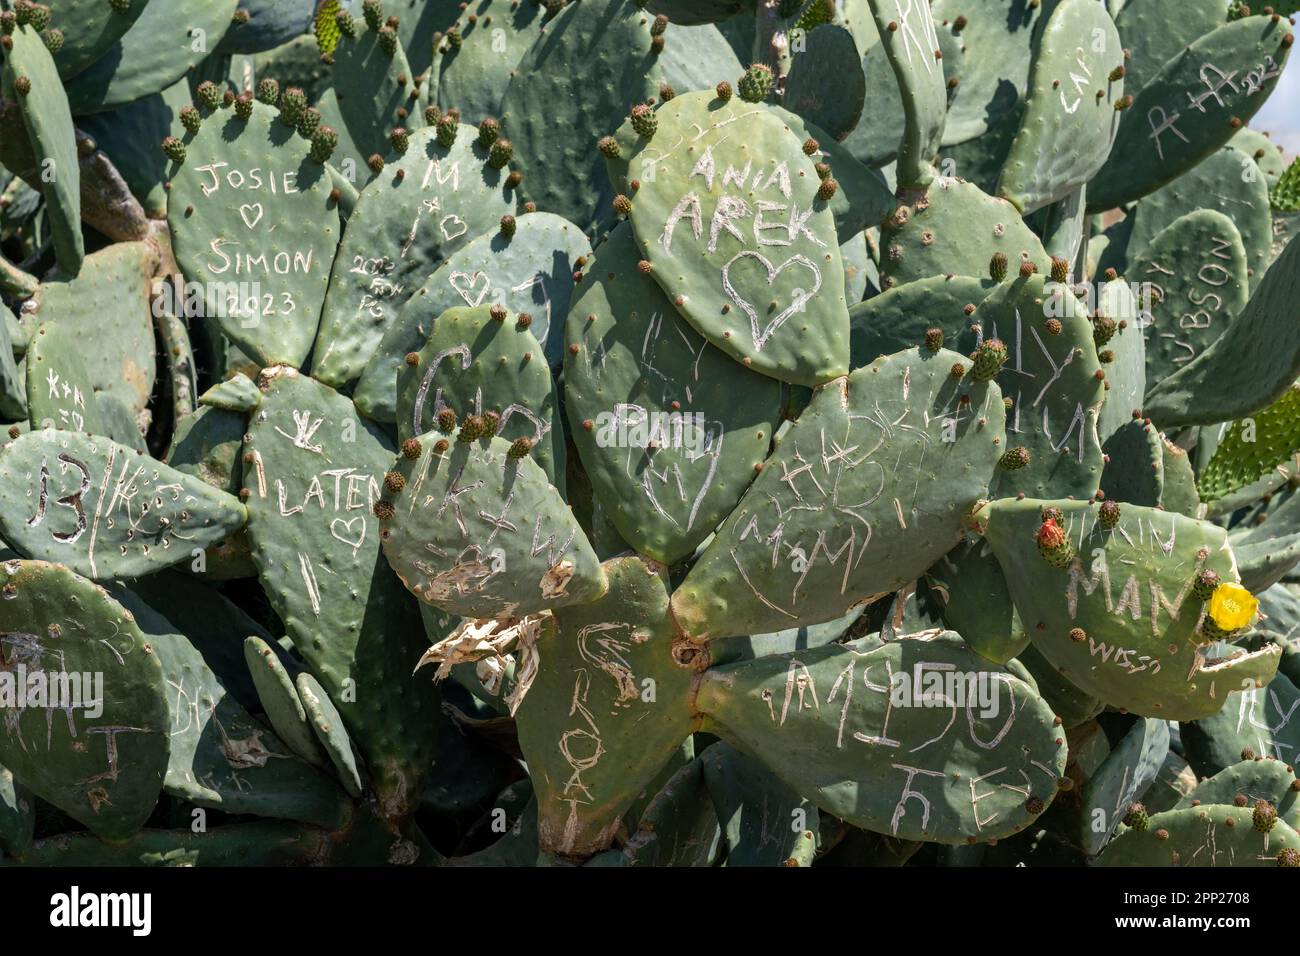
x: 1280, y: 116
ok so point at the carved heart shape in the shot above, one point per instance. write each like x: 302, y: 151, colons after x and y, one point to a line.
x: 252, y: 214
x: 800, y: 302
x: 339, y: 529
x: 465, y: 284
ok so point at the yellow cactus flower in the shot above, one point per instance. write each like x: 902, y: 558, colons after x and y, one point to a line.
x: 1232, y: 607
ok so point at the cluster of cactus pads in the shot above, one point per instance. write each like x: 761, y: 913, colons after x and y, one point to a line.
x: 647, y: 433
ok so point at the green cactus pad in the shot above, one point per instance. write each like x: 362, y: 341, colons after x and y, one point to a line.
x: 1070, y: 118
x: 1178, y: 490
x: 316, y: 472
x: 13, y: 384
x: 954, y: 228
x: 793, y: 551
x: 239, y: 393
x: 1126, y: 629
x: 474, y: 362
x: 635, y: 374
x: 1258, y: 720
x: 1197, y: 274
x: 697, y: 58
x: 1267, y: 552
x: 59, y: 393
x: 379, y: 92
x: 1120, y: 781
x: 825, y: 721
x: 1072, y: 705
x: 271, y: 23
x: 250, y: 214
x: 1186, y: 111
x: 48, y: 122
x: 532, y: 272
x: 474, y: 75
x: 331, y: 735
x: 1135, y: 466
x: 1263, y: 340
x: 764, y: 822
x: 1201, y: 836
x: 577, y: 81
x: 1225, y: 181
x: 422, y: 208
x: 108, y: 307
x: 607, y: 709
x: 1156, y: 31
x: 89, y: 28
x: 680, y: 827
x: 481, y: 534
x: 899, y: 318
x: 774, y: 302
x: 166, y: 41
x: 1253, y: 448
x: 1126, y: 373
x: 998, y: 38
x: 912, y: 48
x: 280, y: 701
x: 1269, y: 156
x: 221, y: 758
x: 829, y: 61
x: 975, y: 601
x: 105, y: 510
x: 105, y: 769
x: 1269, y: 779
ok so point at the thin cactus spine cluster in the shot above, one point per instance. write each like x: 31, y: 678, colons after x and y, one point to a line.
x: 532, y: 424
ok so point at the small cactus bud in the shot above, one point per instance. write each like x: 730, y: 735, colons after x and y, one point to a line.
x: 241, y: 17
x: 666, y: 92
x: 1264, y: 817
x: 723, y: 91
x: 514, y: 179
x: 384, y: 510
x: 609, y: 147
x: 934, y: 339
x: 622, y: 205
x: 376, y: 163
x: 1137, y: 817
x: 508, y: 226
x: 470, y: 430
x: 1108, y: 514
x: 268, y: 92
x: 1027, y: 268
x: 191, y: 119
x: 174, y: 149
x: 373, y: 11
x: 498, y: 312
x: 1124, y: 102
x: 411, y: 449
x: 1117, y: 74
x: 827, y: 190
x: 23, y: 86
x: 491, y: 423
x: 309, y: 123
x: 1053, y: 326
x: 489, y: 131
x: 1014, y: 459
x: 1078, y: 635
x: 811, y: 147
x: 756, y: 84
x: 53, y: 39
x: 244, y: 106
x: 998, y: 266
x: 209, y: 95
x: 520, y: 448
x: 412, y: 359
x: 394, y: 481
x: 1205, y: 583
x: 644, y: 121
x: 1053, y: 544
x: 432, y: 115
x: 447, y: 130
x: 1103, y: 329
x: 323, y: 143
x: 447, y: 420
x: 1288, y: 857
x: 1060, y: 269
x: 400, y: 140
x: 988, y: 358
x: 1247, y: 753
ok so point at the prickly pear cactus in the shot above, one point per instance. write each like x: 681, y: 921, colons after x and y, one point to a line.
x: 648, y: 433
